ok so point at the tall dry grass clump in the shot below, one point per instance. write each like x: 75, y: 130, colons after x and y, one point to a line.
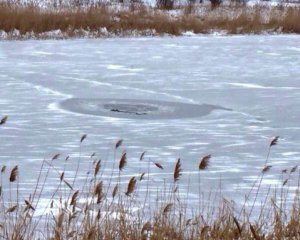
x: 102, y: 208
x: 290, y: 22
x: 32, y: 18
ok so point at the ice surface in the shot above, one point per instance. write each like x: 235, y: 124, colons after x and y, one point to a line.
x: 255, y: 76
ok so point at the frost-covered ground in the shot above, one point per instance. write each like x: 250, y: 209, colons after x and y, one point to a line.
x: 255, y: 76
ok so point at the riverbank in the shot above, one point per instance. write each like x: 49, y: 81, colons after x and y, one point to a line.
x: 104, y: 20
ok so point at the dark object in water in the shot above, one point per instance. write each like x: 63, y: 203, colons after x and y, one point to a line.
x: 117, y: 110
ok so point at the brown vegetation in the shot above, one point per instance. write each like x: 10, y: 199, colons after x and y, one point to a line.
x: 93, y: 211
x: 73, y: 21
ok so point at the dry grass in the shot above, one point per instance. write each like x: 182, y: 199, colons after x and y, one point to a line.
x: 93, y: 211
x: 73, y: 21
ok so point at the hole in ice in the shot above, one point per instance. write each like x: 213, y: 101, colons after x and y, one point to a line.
x: 138, y: 108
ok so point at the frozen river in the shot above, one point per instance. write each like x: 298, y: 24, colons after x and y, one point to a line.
x: 248, y: 89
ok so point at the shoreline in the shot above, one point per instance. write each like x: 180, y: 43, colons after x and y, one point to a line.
x: 93, y: 35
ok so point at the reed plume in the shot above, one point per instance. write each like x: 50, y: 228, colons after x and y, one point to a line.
x: 56, y: 156
x: 13, y: 174
x: 158, y: 165
x: 84, y: 136
x: 177, y: 170
x: 142, y: 176
x: 266, y: 168
x: 28, y: 204
x: 118, y: 143
x: 294, y: 169
x: 97, y: 167
x: 123, y: 161
x: 131, y: 186
x: 115, y: 191
x: 12, y: 209
x: 74, y: 198
x: 98, y: 215
x: 99, y: 191
x: 142, y: 156
x: 3, y: 120
x: 167, y: 208
x: 274, y: 141
x: 204, y: 162
x: 62, y: 175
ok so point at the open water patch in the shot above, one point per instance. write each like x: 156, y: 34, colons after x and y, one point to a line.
x: 137, y: 108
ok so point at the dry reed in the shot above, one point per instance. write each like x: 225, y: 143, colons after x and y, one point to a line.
x: 3, y: 120
x: 89, y: 213
x: 131, y: 186
x: 97, y: 167
x: 84, y: 136
x: 159, y: 165
x: 118, y: 143
x: 96, y: 21
x: 56, y: 156
x: 123, y: 161
x: 142, y: 176
x: 115, y: 191
x: 13, y: 174
x: 142, y: 156
x: 204, y: 162
x: 177, y: 171
x: 167, y: 208
x: 274, y: 141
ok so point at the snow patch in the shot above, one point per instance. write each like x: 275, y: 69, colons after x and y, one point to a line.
x: 52, y: 34
x: 188, y: 33
x: 3, y: 34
